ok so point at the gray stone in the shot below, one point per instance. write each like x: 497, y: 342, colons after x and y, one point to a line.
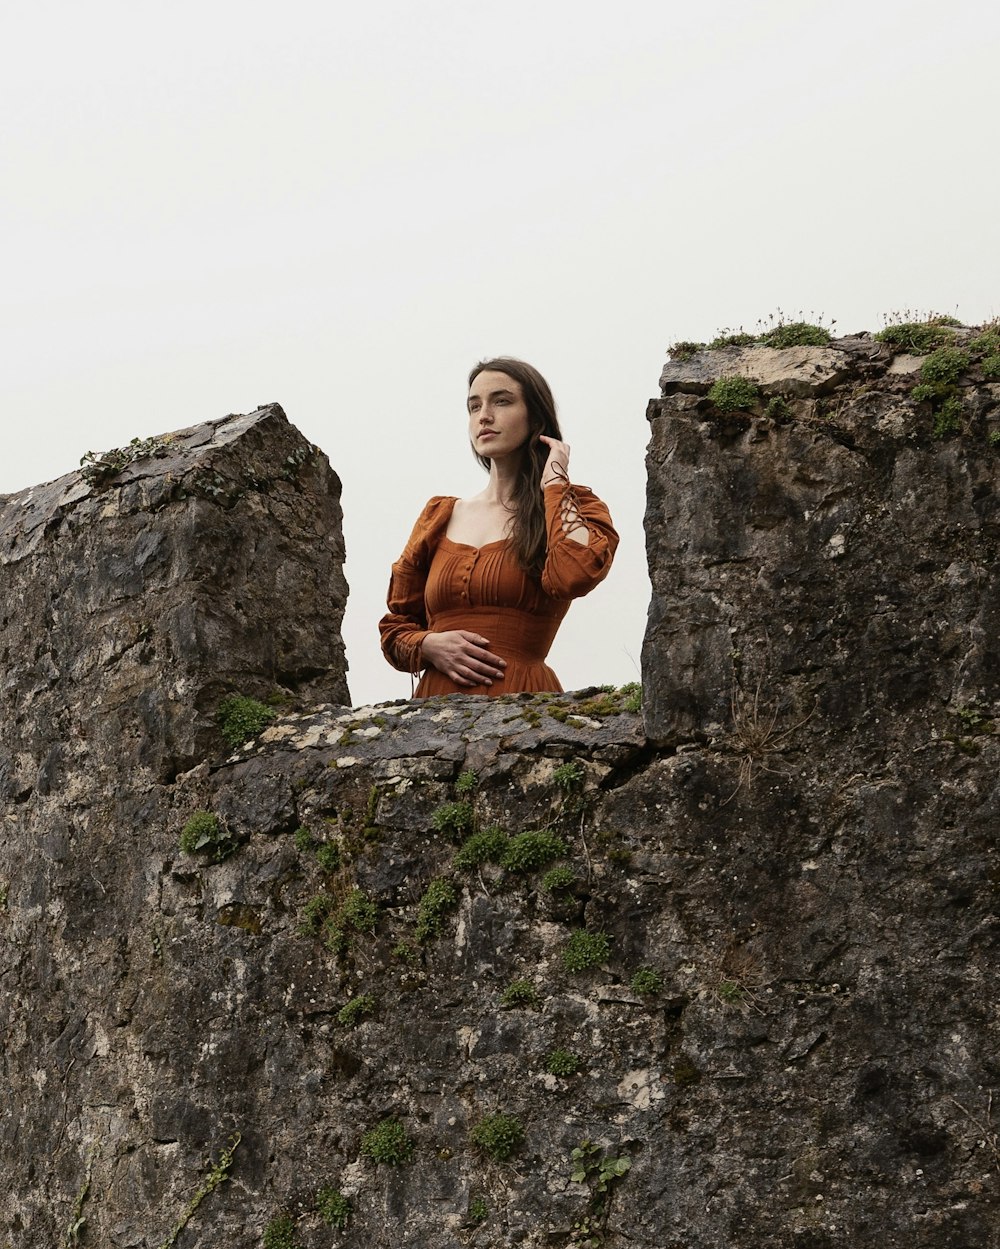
x: 803, y: 849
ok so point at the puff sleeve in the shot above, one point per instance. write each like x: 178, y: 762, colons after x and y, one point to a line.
x: 572, y: 569
x: 404, y: 627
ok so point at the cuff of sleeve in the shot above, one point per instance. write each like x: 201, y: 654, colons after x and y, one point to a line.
x: 414, y: 657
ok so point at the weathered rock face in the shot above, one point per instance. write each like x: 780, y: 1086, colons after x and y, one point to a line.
x: 824, y: 554
x: 807, y: 1057
x: 131, y: 605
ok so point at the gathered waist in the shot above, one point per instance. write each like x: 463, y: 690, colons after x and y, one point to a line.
x: 511, y: 633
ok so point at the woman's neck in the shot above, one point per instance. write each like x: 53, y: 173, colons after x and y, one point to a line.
x: 503, y: 480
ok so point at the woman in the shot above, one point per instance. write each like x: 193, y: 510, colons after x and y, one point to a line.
x: 479, y: 592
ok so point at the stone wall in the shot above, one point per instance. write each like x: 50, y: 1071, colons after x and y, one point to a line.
x: 769, y: 958
x: 132, y: 602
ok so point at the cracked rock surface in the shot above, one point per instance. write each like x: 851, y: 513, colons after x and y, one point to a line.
x: 747, y: 946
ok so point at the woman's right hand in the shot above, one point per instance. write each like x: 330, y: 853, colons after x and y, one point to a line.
x: 463, y: 657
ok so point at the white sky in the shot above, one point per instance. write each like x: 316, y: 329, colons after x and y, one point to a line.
x: 209, y: 206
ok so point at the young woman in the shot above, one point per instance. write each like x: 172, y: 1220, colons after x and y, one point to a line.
x: 480, y: 590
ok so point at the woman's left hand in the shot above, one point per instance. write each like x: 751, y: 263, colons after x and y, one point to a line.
x: 557, y: 465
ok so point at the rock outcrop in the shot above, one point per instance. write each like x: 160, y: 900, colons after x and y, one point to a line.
x: 526, y: 971
x: 132, y: 600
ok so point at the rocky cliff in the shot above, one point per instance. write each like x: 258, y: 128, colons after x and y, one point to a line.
x: 527, y: 970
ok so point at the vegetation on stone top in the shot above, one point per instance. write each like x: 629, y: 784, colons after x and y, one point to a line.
x: 795, y: 334
x: 96, y: 468
x: 776, y: 330
x: 944, y: 366
x: 242, y: 718
x: 917, y: 335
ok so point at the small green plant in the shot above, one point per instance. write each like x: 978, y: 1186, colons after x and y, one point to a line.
x: 303, y: 839
x: 631, y: 695
x: 387, y: 1142
x: 733, y: 394
x: 280, y: 1233
x: 568, y: 776
x: 479, y: 1210
x: 684, y: 350
x: 923, y: 392
x: 777, y: 409
x: 991, y: 368
x: 599, y: 1170
x: 974, y: 719
x: 918, y: 337
x: 99, y: 467
x: 77, y: 1218
x: 556, y: 878
x: 947, y: 419
x: 357, y: 913
x: 585, y: 950
x: 498, y: 1135
x: 466, y: 784
x: 315, y: 911
x: 945, y: 366
x: 486, y: 846
x: 333, y: 1207
x: 204, y: 833
x: 241, y: 718
x: 730, y: 992
x: 519, y: 993
x: 355, y: 1010
x: 993, y: 437
x: 440, y: 897
x: 328, y: 856
x: 454, y: 819
x: 531, y: 850
x: 987, y: 342
x: 646, y: 982
x: 563, y: 1063
x: 731, y: 338
x: 795, y: 334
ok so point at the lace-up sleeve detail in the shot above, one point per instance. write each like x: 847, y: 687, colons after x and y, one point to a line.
x: 404, y: 627
x: 573, y: 568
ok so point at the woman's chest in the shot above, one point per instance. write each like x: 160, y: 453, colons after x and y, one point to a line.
x: 461, y: 575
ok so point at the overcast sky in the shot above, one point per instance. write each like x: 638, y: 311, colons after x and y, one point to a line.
x: 209, y: 206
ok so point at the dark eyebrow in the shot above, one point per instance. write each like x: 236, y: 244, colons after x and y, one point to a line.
x: 494, y: 394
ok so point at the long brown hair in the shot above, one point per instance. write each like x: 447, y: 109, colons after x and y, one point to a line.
x: 527, y: 531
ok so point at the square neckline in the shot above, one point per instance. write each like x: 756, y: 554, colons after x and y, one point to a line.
x: 467, y: 545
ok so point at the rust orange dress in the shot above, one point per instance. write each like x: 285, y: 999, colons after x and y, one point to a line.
x: 438, y: 584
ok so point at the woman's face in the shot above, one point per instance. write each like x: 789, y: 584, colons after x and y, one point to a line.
x: 498, y: 416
